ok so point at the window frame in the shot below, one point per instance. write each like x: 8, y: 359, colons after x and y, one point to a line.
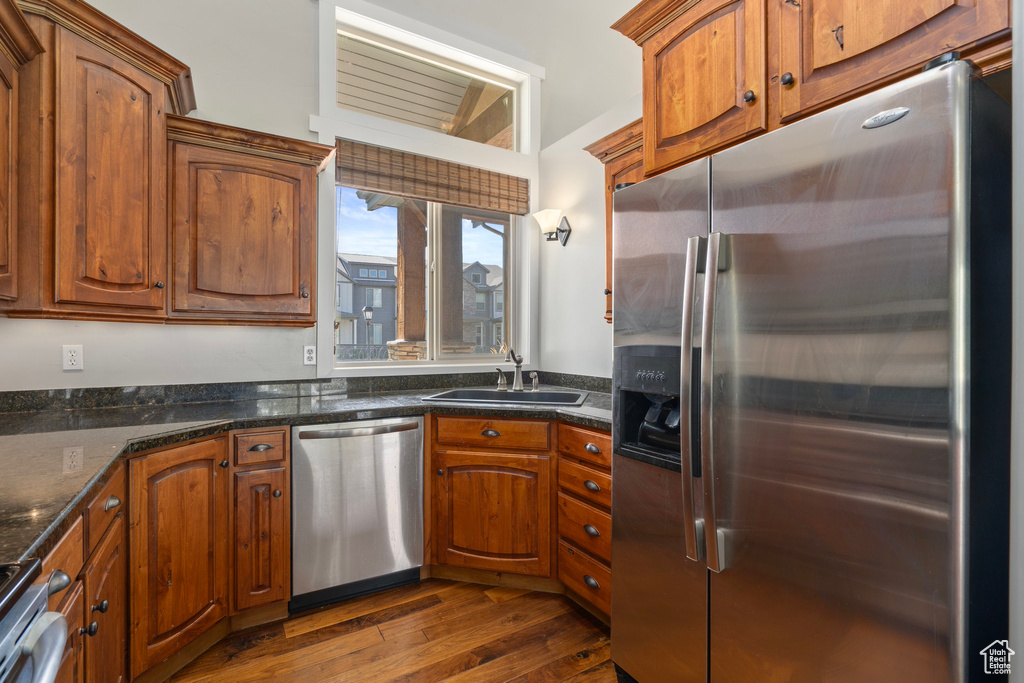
x: 522, y: 300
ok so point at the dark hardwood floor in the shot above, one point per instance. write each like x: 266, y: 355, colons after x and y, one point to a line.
x: 433, y: 631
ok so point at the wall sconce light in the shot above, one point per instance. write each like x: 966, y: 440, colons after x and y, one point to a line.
x: 552, y: 228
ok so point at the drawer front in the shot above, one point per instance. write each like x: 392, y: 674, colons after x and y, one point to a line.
x: 585, y: 444
x: 531, y: 435
x: 586, y: 526
x: 255, y: 447
x: 587, y: 483
x: 68, y: 557
x: 111, y: 500
x: 585, y: 576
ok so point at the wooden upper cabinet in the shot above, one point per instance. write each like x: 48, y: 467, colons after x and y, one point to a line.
x: 179, y: 536
x: 828, y: 50
x: 18, y: 45
x: 703, y: 81
x: 111, y: 246
x: 621, y: 152
x: 92, y: 168
x: 243, y: 224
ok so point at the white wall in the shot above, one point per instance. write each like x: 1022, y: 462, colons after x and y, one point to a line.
x: 253, y: 65
x: 574, y: 336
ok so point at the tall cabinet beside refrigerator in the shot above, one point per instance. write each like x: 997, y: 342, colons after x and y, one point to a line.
x: 811, y: 398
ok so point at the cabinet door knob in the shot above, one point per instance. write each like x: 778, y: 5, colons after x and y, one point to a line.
x: 591, y: 485
x: 592, y: 448
x: 304, y: 292
x: 260, y: 447
x: 277, y: 493
x: 607, y: 292
x: 591, y: 581
x: 749, y: 96
x: 490, y: 432
x: 591, y: 530
x: 91, y: 631
x: 223, y: 463
x: 159, y: 284
x: 101, y: 608
x: 112, y: 502
x: 787, y: 79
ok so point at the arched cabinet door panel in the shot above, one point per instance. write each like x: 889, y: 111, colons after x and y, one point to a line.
x: 179, y: 532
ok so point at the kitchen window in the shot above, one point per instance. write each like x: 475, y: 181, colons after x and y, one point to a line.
x: 430, y: 313
x: 445, y: 227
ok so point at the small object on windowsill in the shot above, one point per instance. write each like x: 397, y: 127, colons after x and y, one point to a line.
x: 502, y: 383
x: 536, y: 381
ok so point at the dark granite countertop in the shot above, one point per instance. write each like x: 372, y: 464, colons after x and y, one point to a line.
x: 52, y: 460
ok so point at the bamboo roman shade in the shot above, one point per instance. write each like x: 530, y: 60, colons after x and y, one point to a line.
x: 389, y: 171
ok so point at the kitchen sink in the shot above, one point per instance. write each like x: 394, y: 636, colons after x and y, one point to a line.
x: 536, y: 398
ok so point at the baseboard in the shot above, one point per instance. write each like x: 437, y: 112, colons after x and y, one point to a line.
x: 489, y: 578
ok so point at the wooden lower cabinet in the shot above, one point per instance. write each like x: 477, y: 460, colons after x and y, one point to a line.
x: 179, y: 540
x: 262, y: 562
x: 104, y: 577
x: 72, y: 663
x: 494, y: 511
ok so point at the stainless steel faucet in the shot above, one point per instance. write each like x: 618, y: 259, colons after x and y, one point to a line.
x: 511, y: 357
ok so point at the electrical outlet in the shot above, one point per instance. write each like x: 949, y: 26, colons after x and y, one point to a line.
x: 73, y: 358
x: 309, y: 355
x: 73, y: 459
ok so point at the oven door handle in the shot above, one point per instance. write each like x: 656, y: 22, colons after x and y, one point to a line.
x: 44, y: 646
x: 693, y: 528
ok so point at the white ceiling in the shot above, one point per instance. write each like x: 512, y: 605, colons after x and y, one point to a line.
x: 590, y: 68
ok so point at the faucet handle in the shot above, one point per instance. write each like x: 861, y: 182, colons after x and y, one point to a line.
x: 536, y: 381
x: 502, y: 383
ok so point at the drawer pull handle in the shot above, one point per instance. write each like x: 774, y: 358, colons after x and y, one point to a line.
x: 91, y: 631
x: 260, y: 447
x: 591, y: 581
x: 592, y: 448
x: 490, y: 432
x: 277, y: 493
x: 591, y: 530
x: 591, y: 485
x: 224, y: 464
x: 112, y: 502
x: 58, y: 581
x: 101, y: 608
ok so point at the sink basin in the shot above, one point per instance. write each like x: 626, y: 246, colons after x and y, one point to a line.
x: 536, y: 398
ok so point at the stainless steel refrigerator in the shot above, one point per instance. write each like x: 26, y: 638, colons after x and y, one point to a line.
x: 811, y: 398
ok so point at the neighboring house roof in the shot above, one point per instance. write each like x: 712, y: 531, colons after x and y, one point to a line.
x: 369, y: 259
x: 493, y: 275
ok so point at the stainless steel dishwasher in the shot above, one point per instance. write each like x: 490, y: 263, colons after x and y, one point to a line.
x: 357, y: 508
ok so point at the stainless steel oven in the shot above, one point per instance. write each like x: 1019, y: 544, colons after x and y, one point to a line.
x: 32, y: 639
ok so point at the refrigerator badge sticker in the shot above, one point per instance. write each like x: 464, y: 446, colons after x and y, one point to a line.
x: 997, y: 657
x: 885, y: 118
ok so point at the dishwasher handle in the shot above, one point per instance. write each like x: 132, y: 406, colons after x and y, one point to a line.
x: 359, y: 431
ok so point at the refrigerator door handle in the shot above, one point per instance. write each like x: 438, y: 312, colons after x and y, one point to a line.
x: 712, y: 536
x: 693, y: 531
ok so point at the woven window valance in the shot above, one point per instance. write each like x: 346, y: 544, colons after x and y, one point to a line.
x: 389, y: 171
